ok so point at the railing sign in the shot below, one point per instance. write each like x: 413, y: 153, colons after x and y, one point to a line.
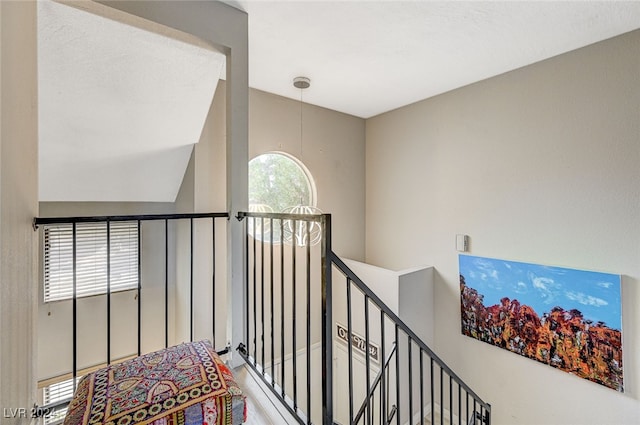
x: 357, y: 341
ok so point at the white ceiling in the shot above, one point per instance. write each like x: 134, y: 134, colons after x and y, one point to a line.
x: 368, y: 57
x: 121, y: 105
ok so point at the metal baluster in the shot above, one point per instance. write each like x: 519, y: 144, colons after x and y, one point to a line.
x: 327, y: 322
x: 282, y: 304
x: 262, y: 295
x: 350, y: 348
x: 255, y: 295
x: 367, y: 357
x: 398, y: 422
x: 433, y: 406
x: 191, y: 280
x: 108, y: 292
x: 384, y: 392
x: 213, y: 282
x: 166, y: 283
x: 246, y: 283
x: 441, y: 395
x: 410, y: 366
x: 308, y: 228
x: 421, y: 386
x: 74, y: 306
x: 139, y: 288
x: 293, y: 319
x: 271, y: 306
x: 459, y: 404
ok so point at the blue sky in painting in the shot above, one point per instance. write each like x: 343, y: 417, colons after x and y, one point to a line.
x: 596, y: 295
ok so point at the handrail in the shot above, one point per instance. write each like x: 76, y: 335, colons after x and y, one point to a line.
x: 282, y: 216
x: 141, y: 217
x: 373, y: 387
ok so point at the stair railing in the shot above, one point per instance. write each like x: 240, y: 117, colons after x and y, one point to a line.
x: 166, y: 228
x: 425, y: 387
x: 299, y: 296
x: 384, y: 401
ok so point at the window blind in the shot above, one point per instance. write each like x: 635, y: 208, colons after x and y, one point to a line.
x: 54, y: 393
x: 91, y: 259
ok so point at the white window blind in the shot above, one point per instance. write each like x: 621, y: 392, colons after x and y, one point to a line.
x: 91, y: 259
x: 54, y: 393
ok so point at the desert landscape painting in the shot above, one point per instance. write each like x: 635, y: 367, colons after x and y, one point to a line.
x: 568, y: 319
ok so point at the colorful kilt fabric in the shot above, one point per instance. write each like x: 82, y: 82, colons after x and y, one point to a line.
x: 186, y: 384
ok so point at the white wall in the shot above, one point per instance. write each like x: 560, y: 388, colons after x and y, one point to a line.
x: 18, y: 205
x: 537, y: 165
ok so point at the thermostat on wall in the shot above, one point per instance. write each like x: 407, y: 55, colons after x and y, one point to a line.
x: 462, y: 243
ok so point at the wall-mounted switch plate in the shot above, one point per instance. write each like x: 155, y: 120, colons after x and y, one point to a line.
x: 462, y: 243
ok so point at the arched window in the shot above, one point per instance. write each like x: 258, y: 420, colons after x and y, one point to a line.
x: 278, y: 181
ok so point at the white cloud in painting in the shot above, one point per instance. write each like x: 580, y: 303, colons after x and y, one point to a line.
x: 546, y: 287
x: 605, y: 285
x: 486, y: 270
x: 520, y: 287
x: 542, y: 283
x: 585, y: 299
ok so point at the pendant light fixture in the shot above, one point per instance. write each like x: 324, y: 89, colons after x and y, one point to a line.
x: 302, y: 232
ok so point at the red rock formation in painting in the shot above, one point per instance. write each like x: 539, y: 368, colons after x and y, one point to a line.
x: 560, y: 338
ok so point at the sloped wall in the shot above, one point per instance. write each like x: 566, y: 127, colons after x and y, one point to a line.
x: 537, y: 165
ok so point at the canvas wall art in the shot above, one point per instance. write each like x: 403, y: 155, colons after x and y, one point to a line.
x: 568, y: 319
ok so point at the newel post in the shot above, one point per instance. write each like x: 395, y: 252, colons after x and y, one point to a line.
x: 327, y: 324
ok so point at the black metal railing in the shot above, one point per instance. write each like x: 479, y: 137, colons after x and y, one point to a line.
x: 298, y: 298
x: 418, y: 387
x: 325, y: 344
x: 167, y: 236
x: 284, y: 300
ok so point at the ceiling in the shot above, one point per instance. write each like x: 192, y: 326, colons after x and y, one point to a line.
x: 368, y: 57
x: 122, y: 103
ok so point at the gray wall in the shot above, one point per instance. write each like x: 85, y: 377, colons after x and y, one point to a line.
x: 332, y: 150
x: 537, y: 165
